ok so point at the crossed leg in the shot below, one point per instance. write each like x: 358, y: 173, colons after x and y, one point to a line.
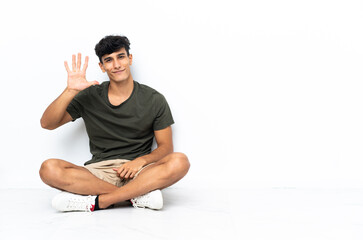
x: 69, y: 177
x: 72, y: 178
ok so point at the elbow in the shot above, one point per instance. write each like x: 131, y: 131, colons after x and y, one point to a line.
x: 45, y: 125
x: 170, y: 149
x: 166, y: 148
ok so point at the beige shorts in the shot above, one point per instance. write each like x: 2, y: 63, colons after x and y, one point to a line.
x: 104, y: 171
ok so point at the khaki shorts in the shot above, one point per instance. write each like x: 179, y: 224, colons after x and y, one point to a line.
x: 104, y: 171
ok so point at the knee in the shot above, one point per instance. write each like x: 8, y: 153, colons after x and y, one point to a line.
x: 180, y: 163
x: 49, y: 169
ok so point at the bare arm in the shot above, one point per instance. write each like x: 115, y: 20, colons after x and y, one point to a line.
x: 56, y: 115
x: 164, y: 141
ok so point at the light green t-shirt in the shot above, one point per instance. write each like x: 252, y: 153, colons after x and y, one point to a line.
x: 125, y: 131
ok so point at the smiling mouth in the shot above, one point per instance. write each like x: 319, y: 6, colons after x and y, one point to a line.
x: 120, y: 71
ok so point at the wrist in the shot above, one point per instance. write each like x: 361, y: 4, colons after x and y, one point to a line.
x: 72, y: 91
x: 142, y: 160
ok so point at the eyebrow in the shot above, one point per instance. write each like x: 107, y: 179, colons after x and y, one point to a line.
x: 109, y: 58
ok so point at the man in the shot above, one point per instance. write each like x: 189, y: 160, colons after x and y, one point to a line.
x: 122, y: 117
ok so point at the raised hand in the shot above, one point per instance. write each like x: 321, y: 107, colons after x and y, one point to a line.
x: 77, y: 77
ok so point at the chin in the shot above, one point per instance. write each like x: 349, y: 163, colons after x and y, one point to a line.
x: 119, y: 80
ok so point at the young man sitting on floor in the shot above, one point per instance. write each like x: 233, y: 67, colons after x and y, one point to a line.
x: 122, y: 117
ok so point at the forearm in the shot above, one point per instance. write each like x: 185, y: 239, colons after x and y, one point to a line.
x: 157, y: 154
x: 53, y: 115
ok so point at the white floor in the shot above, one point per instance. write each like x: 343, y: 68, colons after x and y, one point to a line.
x: 264, y: 214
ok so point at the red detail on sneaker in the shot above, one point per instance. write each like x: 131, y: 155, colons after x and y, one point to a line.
x: 92, y: 208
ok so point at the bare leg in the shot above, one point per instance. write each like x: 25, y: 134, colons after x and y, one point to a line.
x: 72, y: 178
x: 162, y: 174
x: 66, y: 176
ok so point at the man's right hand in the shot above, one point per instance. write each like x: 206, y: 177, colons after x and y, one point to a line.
x: 76, y: 77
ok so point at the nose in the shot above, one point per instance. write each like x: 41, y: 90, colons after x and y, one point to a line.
x: 116, y: 64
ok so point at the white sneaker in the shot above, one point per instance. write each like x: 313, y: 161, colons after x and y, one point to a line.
x: 66, y: 202
x: 153, y: 200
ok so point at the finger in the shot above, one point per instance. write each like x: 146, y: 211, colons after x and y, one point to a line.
x: 132, y: 175
x: 117, y: 172
x: 85, y: 64
x: 79, y: 60
x: 94, y: 83
x: 123, y: 173
x: 66, y: 65
x: 73, y: 63
x: 128, y: 175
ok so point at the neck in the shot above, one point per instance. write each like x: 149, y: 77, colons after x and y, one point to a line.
x: 118, y: 92
x: 122, y: 88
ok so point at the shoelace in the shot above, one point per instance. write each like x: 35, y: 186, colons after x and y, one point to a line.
x: 140, y: 202
x: 80, y: 203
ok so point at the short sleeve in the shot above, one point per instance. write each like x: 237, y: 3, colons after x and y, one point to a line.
x: 163, y: 117
x: 75, y: 108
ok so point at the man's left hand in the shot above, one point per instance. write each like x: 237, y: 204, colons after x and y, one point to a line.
x: 129, y: 169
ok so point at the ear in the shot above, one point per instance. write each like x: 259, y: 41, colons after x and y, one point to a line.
x: 130, y: 59
x: 102, y: 68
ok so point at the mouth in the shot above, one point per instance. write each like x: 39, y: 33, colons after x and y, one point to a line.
x: 119, y: 71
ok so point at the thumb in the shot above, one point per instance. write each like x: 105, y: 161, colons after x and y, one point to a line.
x: 93, y: 83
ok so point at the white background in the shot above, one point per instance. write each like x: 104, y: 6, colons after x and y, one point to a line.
x: 263, y: 93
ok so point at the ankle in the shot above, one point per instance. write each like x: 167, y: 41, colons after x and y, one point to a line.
x: 101, y: 203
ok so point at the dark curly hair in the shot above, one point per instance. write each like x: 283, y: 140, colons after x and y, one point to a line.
x: 110, y: 44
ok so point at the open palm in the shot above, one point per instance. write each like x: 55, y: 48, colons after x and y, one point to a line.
x: 77, y: 77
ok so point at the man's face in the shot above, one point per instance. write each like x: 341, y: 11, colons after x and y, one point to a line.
x: 117, y: 65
